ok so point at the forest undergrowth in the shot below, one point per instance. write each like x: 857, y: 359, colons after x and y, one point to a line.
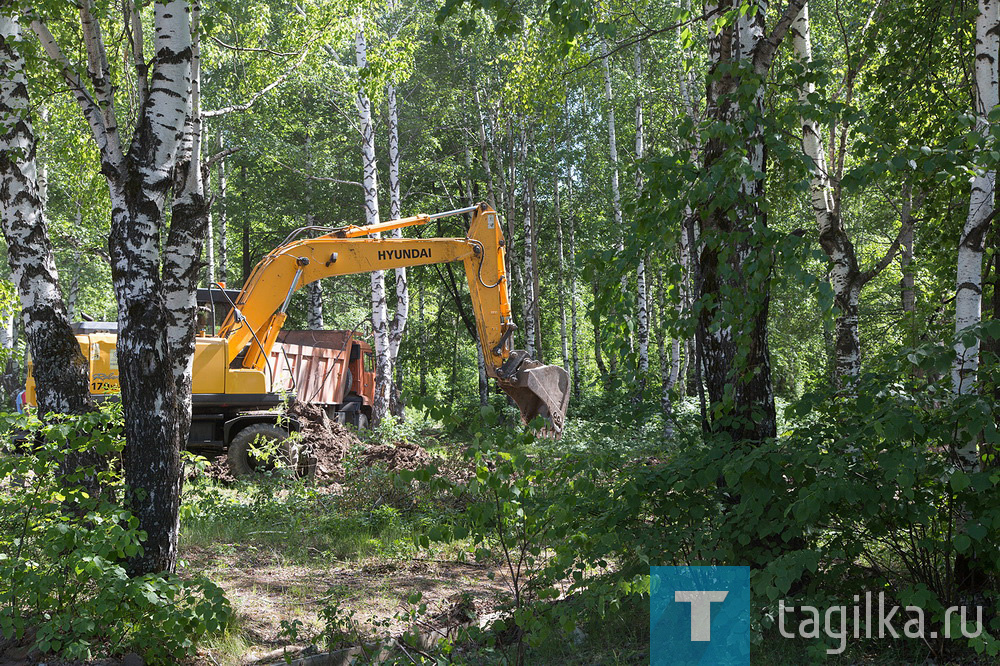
x: 547, y: 544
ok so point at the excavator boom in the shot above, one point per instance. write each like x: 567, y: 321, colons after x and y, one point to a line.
x: 251, y: 328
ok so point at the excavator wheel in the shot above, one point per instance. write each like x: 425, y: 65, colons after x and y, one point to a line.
x: 242, y: 462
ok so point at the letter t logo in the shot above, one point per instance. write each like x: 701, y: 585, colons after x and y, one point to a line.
x: 701, y: 610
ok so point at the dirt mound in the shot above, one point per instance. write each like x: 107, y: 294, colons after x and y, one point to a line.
x: 218, y: 469
x: 401, y: 455
x: 328, y: 440
x: 330, y: 443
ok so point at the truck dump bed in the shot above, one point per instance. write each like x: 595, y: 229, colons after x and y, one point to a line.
x: 312, y: 364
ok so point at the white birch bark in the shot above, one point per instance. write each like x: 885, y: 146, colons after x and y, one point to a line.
x: 395, y: 206
x: 60, y: 369
x: 844, y: 274
x: 380, y: 317
x: 529, y: 283
x: 314, y: 290
x: 562, y: 279
x: 969, y: 278
x: 484, y: 152
x: 641, y: 297
x: 223, y: 220
x: 574, y: 337
x: 616, y: 201
x: 148, y: 290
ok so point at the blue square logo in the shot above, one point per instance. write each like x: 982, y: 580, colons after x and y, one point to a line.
x: 699, y: 615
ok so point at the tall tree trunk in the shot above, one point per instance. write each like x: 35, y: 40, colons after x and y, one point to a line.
x: 844, y: 275
x: 598, y: 354
x: 734, y: 263
x: 380, y: 317
x: 398, y: 324
x: 562, y: 280
x: 182, y: 251
x: 210, y: 264
x: 484, y: 153
x: 536, y: 286
x: 528, y: 306
x: 484, y: 386
x: 423, y: 340
x: 153, y: 288
x: 247, y: 259
x: 641, y: 297
x: 314, y: 290
x: 61, y: 376
x: 668, y: 361
x: 968, y: 284
x: 223, y: 220
x: 574, y: 338
x: 616, y: 201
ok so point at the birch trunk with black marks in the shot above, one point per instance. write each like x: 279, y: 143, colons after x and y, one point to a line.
x: 562, y: 280
x: 574, y: 339
x: 733, y: 262
x: 380, y: 316
x: 907, y: 293
x: 223, y: 271
x: 641, y: 296
x: 188, y: 228
x: 846, y: 278
x: 61, y: 374
x: 968, y: 291
x: 528, y: 305
x: 484, y: 155
x: 844, y: 274
x: 969, y: 273
x: 616, y: 201
x: 398, y: 325
x: 314, y: 290
x: 150, y: 285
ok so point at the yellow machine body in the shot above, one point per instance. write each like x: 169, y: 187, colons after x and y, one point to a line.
x: 235, y: 362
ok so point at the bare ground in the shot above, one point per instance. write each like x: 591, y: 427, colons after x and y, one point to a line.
x: 264, y: 592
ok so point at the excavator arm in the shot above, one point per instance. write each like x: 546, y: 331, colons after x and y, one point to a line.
x: 252, y: 327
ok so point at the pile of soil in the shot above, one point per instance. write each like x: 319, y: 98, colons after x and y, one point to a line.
x: 218, y: 469
x: 328, y: 440
x: 397, y: 456
x: 330, y: 443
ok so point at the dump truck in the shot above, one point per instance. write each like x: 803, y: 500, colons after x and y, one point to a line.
x: 245, y: 369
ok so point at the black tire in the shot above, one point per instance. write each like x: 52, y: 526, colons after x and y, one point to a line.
x: 241, y: 462
x: 348, y: 383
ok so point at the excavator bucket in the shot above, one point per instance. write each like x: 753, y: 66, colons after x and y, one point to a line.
x: 537, y: 389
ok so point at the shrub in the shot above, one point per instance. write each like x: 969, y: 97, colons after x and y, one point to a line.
x: 63, y: 538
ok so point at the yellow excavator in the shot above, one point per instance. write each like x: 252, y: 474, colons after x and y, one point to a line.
x: 235, y: 374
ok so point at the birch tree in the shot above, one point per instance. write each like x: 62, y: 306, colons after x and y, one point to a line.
x: 380, y: 316
x: 151, y: 286
x: 968, y: 289
x: 969, y: 278
x: 845, y: 275
x: 399, y: 319
x: 61, y: 377
x: 733, y: 262
x: 641, y: 287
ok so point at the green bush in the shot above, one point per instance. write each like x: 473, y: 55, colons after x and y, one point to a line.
x: 859, y: 493
x: 64, y: 536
